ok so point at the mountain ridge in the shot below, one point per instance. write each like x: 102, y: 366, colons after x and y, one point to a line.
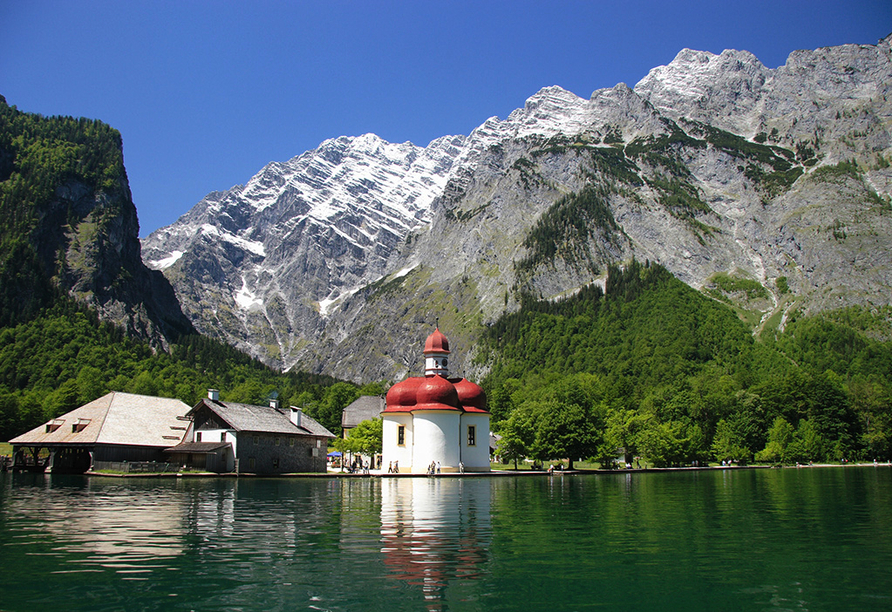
x: 703, y: 167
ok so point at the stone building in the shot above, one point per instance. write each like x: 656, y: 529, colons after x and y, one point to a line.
x: 243, y: 438
x: 435, y: 419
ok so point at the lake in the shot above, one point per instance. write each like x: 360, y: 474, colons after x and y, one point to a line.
x: 781, y: 539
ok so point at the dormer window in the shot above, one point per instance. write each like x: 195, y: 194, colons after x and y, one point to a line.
x: 79, y: 425
x: 54, y: 425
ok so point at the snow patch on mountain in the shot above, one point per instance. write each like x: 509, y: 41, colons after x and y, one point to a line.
x: 163, y: 264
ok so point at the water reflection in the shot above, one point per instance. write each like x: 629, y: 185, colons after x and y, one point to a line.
x: 435, y: 532
x: 745, y: 540
x: 91, y: 526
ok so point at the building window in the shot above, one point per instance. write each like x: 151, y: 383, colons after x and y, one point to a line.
x: 256, y: 439
x: 290, y: 441
x: 275, y: 463
x: 277, y: 440
x: 401, y: 435
x: 223, y: 437
x: 472, y: 435
x: 251, y: 463
x: 198, y: 437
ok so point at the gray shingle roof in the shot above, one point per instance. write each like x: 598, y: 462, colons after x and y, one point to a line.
x: 364, y: 408
x: 263, y: 419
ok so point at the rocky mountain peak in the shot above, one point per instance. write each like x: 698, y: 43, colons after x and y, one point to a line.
x: 712, y: 165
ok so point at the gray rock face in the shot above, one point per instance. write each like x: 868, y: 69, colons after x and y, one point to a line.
x: 90, y: 237
x: 340, y: 260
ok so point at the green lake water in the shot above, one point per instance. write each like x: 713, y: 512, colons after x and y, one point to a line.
x: 792, y: 539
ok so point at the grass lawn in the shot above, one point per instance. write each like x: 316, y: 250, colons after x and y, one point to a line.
x: 5, y: 448
x: 523, y: 465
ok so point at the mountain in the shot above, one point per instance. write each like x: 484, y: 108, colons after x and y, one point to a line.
x: 768, y: 189
x: 70, y: 228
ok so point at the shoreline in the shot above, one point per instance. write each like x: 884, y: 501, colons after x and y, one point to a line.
x: 492, y: 473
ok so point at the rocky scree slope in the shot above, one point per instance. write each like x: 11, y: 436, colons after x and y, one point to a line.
x: 767, y: 189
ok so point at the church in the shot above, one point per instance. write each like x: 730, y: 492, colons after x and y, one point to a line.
x: 435, y: 419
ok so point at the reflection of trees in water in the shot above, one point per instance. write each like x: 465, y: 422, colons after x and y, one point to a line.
x: 435, y: 531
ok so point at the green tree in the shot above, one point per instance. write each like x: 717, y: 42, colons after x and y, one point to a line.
x: 329, y: 411
x: 90, y: 384
x: 621, y: 435
x: 780, y: 436
x: 566, y: 430
x: 366, y: 437
x: 672, y: 443
x: 808, y: 444
x: 728, y: 443
x: 143, y: 384
x: 517, y: 435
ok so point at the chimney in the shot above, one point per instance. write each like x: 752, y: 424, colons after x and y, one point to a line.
x: 213, y: 395
x: 274, y: 403
x: 295, y: 415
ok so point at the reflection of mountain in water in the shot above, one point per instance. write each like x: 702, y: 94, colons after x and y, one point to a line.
x: 435, y: 532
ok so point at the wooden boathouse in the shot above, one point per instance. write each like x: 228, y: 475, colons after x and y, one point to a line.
x: 113, y: 429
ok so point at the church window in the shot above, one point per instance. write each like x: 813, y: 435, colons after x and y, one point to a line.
x: 401, y: 435
x: 472, y: 435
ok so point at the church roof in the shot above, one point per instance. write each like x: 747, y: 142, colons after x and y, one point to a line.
x: 470, y: 395
x: 435, y: 393
x: 436, y: 343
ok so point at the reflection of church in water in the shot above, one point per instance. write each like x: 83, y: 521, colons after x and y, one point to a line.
x: 435, y: 419
x: 435, y: 533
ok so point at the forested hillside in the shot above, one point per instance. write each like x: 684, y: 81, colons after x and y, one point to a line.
x: 673, y: 376
x: 68, y: 226
x: 66, y: 357
x: 80, y: 315
x: 37, y: 157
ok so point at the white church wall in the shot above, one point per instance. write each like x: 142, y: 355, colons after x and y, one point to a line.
x: 436, y: 433
x: 475, y: 457
x: 392, y: 450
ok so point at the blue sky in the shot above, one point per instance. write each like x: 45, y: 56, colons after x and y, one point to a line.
x: 206, y: 93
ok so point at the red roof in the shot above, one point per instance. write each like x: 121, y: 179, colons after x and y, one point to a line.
x: 435, y: 393
x: 436, y: 343
x: 470, y: 395
x: 401, y: 396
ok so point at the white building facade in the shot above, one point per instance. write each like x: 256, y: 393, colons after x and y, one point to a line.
x: 436, y: 420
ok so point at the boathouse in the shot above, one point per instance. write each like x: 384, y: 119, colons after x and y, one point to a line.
x: 113, y: 429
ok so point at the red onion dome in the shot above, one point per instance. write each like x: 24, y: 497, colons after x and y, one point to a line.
x: 471, y: 396
x: 436, y: 343
x: 402, y: 396
x: 436, y: 393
